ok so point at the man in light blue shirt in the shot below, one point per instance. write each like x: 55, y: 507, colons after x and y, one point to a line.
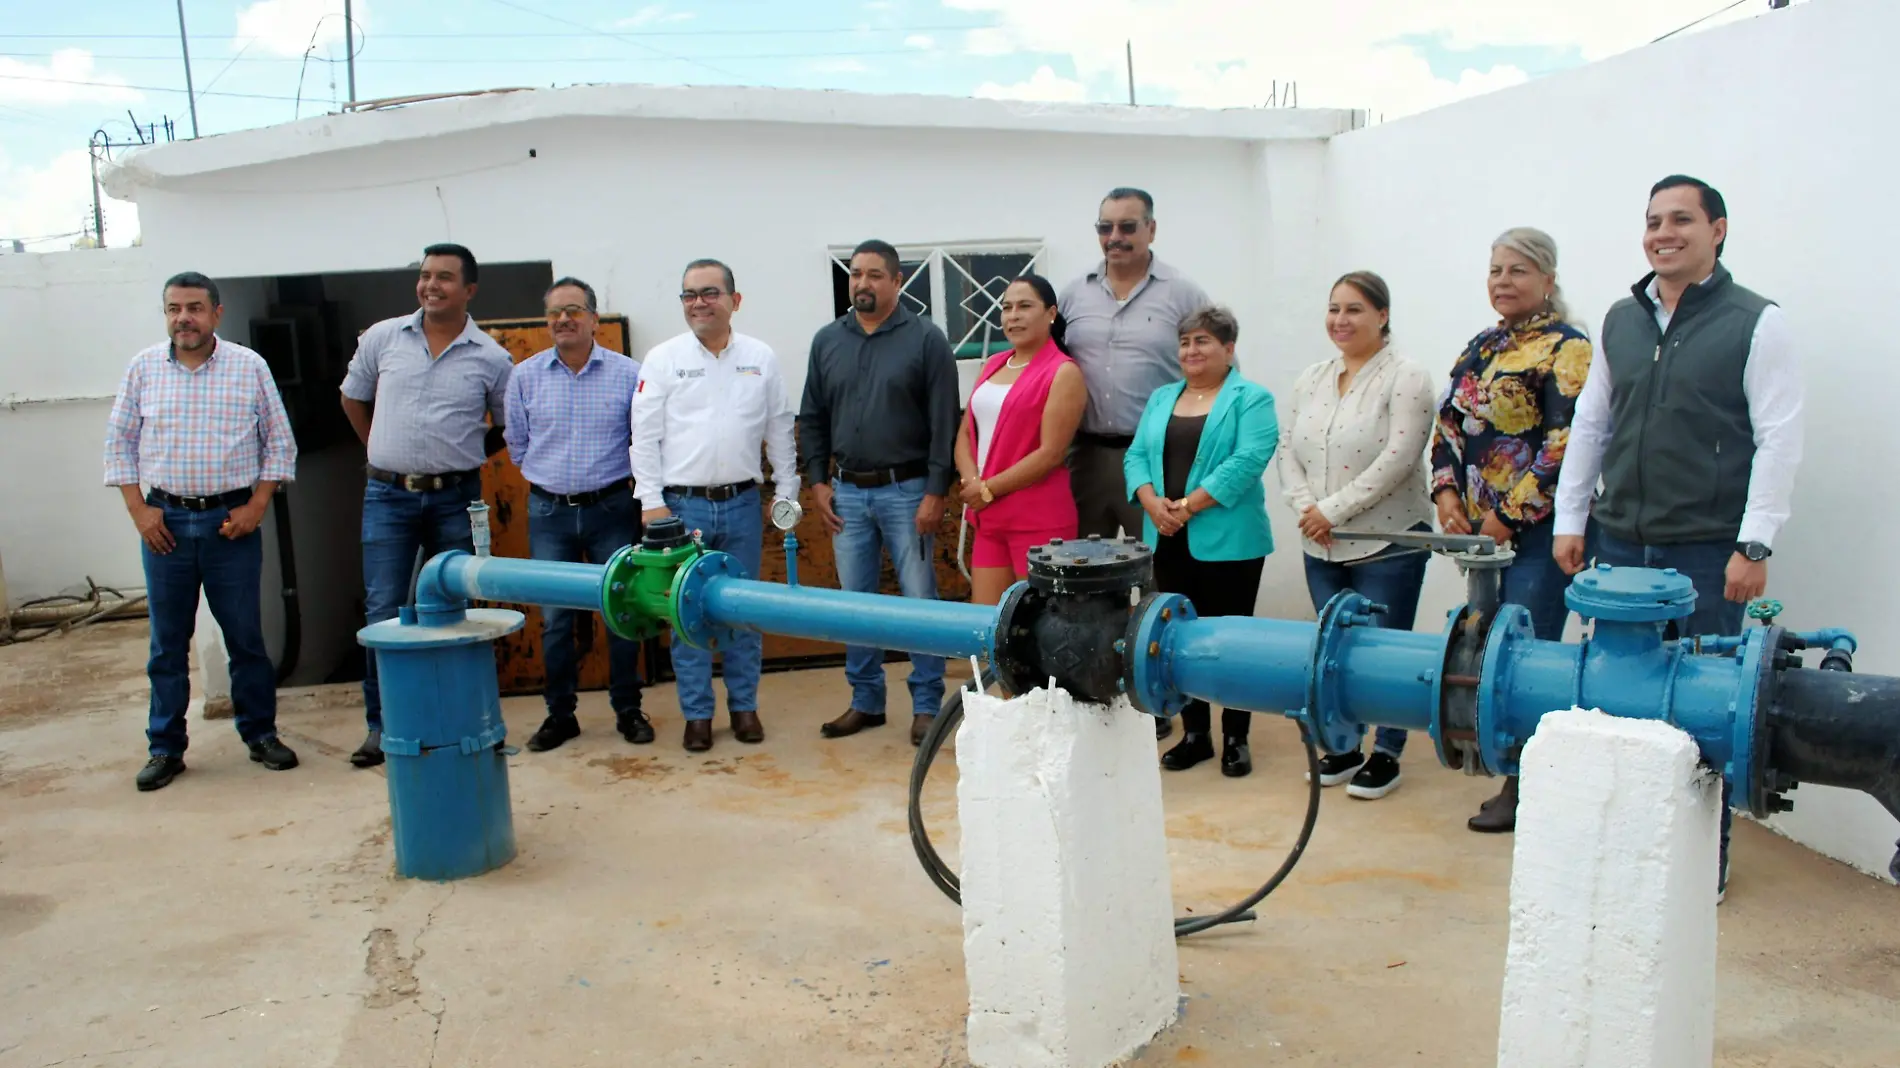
x: 417, y: 392
x: 568, y: 430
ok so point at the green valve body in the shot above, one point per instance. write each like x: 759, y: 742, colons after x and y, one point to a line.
x: 636, y: 589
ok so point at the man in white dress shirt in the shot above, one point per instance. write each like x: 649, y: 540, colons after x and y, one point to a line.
x: 706, y: 402
x: 1692, y: 417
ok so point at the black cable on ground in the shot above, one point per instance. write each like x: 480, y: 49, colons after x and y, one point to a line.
x: 946, y: 880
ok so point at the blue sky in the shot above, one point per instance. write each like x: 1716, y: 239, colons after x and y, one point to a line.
x: 249, y: 61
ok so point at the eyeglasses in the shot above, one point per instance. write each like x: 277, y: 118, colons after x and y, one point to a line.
x: 566, y: 311
x: 710, y: 295
x: 1127, y: 226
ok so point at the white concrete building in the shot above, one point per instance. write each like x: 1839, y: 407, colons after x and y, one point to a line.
x: 622, y: 185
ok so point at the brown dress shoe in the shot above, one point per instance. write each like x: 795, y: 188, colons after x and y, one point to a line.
x: 851, y: 723
x: 698, y: 735
x: 920, y: 726
x: 747, y: 728
x: 1499, y: 814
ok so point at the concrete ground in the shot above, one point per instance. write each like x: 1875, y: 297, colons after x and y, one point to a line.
x: 757, y: 905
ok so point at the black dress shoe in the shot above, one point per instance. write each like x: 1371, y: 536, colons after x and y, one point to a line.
x: 851, y: 723
x: 273, y: 754
x: 747, y: 728
x: 920, y: 726
x: 635, y: 727
x: 370, y: 753
x: 1163, y: 727
x: 1235, y: 759
x: 698, y: 735
x: 160, y: 771
x: 1189, y: 751
x: 554, y: 730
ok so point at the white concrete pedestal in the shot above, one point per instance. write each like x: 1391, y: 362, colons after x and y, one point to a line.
x: 1068, y: 929
x: 1612, y: 953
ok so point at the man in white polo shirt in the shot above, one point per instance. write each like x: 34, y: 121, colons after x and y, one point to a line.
x: 707, y: 400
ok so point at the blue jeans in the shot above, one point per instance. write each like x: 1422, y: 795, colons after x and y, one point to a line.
x: 1535, y: 581
x: 737, y: 528
x: 396, y: 524
x: 228, y: 571
x: 885, y: 517
x: 1705, y: 563
x: 569, y: 532
x: 1393, y: 582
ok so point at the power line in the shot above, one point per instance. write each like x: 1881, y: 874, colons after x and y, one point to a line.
x: 615, y: 36
x: 134, y: 88
x: 1700, y: 21
x: 495, y: 60
x: 590, y: 32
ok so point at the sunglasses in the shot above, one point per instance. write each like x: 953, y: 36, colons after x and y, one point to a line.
x: 566, y: 311
x: 710, y: 295
x: 1127, y: 227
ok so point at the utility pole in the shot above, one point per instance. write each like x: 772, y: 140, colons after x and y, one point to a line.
x: 349, y: 42
x: 184, y: 47
x: 1131, y: 71
x: 98, y: 211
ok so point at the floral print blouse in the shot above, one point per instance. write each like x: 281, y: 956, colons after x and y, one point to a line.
x: 1504, y: 421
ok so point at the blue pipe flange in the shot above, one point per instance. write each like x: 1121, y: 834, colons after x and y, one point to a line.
x: 691, y: 624
x: 1748, y: 755
x: 1325, y: 712
x: 1454, y: 729
x: 1497, y: 744
x: 1146, y: 655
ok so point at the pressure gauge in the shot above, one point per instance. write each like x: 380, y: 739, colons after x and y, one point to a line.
x: 786, y: 513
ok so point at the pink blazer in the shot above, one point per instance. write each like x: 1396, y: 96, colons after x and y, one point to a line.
x: 1047, y: 505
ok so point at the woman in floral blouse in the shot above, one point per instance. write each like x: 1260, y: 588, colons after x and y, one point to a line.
x: 1499, y: 442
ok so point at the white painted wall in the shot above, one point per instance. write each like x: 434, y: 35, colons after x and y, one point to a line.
x: 1763, y: 110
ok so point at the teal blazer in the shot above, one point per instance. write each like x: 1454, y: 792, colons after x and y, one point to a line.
x: 1237, y: 443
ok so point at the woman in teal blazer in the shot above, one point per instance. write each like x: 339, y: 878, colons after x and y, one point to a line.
x: 1195, y: 467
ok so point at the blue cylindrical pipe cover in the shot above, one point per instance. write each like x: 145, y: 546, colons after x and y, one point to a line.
x: 940, y: 628
x: 457, y: 576
x: 450, y: 814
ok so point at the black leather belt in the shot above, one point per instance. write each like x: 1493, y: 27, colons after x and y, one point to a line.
x: 227, y: 499
x: 884, y: 476
x: 714, y: 493
x: 1107, y: 441
x: 581, y: 500
x: 421, y: 483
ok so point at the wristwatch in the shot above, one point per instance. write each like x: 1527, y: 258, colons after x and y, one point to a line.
x: 1754, y: 551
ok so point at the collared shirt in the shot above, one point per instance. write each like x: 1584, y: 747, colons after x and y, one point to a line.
x: 429, y: 408
x: 1771, y: 379
x: 880, y: 400
x: 700, y: 417
x: 1359, y: 458
x: 568, y: 431
x: 1127, y: 349
x: 199, y: 432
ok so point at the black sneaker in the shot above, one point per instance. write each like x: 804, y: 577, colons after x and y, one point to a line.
x: 273, y: 754
x: 1335, y: 768
x: 1378, y: 778
x: 554, y: 731
x: 159, y: 771
x: 635, y: 727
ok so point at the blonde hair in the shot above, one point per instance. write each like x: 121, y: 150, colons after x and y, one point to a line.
x: 1541, y: 249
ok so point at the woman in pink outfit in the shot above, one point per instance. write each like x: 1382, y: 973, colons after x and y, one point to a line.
x: 1010, y: 449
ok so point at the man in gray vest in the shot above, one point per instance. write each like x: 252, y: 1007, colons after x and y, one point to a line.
x: 1692, y: 416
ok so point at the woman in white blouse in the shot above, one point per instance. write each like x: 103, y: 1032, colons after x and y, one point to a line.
x: 1352, y: 454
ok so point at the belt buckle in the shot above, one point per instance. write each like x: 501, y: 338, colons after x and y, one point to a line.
x: 194, y: 504
x: 413, y: 483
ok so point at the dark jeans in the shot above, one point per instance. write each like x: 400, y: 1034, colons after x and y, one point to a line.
x: 1216, y: 588
x: 1390, y: 580
x: 228, y: 571
x: 595, y: 532
x: 1705, y: 563
x: 396, y: 524
x: 735, y: 527
x: 1535, y: 581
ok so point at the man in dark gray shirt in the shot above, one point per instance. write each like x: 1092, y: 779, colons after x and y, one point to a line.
x: 881, y: 399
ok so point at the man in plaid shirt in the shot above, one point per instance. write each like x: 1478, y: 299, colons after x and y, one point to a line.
x: 199, y: 421
x: 567, y: 429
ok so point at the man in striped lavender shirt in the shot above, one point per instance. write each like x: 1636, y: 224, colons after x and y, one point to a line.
x: 568, y: 431
x: 198, y: 419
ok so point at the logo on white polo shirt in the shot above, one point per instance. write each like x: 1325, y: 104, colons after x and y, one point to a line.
x: 691, y: 372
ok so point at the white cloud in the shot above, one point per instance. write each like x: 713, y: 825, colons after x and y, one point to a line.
x: 52, y: 82
x: 1044, y: 85
x: 57, y: 199
x: 652, y: 15
x: 1341, y: 54
x: 287, y: 27
x: 920, y: 40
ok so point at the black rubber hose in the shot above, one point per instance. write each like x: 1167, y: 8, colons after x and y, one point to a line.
x: 946, y: 880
